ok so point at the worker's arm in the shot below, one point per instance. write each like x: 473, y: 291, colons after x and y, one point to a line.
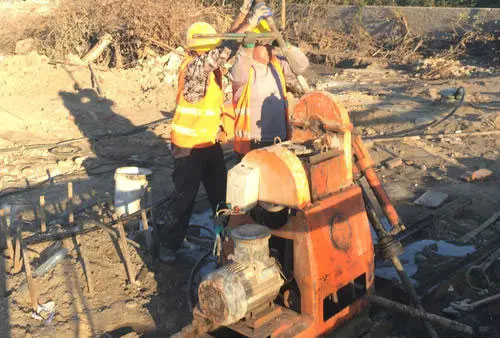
x: 300, y: 59
x: 198, y: 70
x: 239, y: 25
x: 241, y: 68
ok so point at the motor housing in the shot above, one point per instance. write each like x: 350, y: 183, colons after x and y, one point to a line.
x: 247, y: 284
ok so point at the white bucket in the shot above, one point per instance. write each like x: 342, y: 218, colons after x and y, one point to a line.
x: 130, y: 185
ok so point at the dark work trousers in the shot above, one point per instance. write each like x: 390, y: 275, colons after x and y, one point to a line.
x: 202, y: 165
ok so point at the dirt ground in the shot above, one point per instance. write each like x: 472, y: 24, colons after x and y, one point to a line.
x: 43, y: 103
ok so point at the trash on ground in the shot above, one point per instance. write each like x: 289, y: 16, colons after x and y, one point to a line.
x: 432, y: 199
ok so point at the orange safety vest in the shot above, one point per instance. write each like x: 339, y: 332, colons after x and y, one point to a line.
x: 196, y: 124
x: 242, y: 110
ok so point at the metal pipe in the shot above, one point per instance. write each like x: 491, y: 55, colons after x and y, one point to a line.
x: 236, y: 36
x: 430, y: 317
x: 85, y: 226
x: 283, y: 45
x: 485, y: 301
x: 71, y: 217
x: 365, y: 163
x: 382, y: 234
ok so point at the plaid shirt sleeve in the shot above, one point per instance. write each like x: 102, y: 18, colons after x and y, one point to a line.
x: 197, y: 72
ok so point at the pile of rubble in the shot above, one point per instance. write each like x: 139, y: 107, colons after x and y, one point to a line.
x: 440, y: 68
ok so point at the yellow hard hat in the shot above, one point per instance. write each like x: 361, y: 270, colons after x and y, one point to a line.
x: 201, y: 45
x: 262, y: 27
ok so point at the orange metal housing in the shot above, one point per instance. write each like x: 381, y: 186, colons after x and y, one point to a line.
x: 333, y: 255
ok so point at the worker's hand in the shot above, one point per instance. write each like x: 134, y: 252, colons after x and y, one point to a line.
x: 249, y: 41
x: 261, y: 11
x: 245, y: 8
x: 221, y: 137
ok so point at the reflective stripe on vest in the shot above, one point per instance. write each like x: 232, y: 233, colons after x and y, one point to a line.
x: 242, y: 110
x: 195, y: 111
x: 196, y: 124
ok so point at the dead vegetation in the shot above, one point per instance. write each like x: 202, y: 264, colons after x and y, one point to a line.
x: 135, y: 26
x: 142, y: 29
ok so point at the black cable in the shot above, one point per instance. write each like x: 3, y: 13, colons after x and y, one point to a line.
x: 194, y: 270
x: 409, y: 131
x: 130, y: 132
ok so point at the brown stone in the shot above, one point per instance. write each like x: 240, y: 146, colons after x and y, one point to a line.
x: 395, y: 162
x: 479, y: 174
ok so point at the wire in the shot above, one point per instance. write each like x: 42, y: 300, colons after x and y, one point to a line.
x: 194, y: 270
x: 408, y: 132
x: 130, y: 132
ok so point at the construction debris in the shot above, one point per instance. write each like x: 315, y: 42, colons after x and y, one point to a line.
x: 393, y: 163
x: 467, y: 305
x: 470, y: 235
x: 98, y: 48
x: 477, y: 175
x: 411, y: 311
x: 431, y: 199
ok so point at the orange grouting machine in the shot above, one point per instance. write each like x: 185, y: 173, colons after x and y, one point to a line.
x: 299, y: 260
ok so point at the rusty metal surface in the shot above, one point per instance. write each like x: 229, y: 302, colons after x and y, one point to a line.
x: 332, y: 247
x: 329, y: 232
x: 249, y: 282
x: 279, y: 167
x: 314, y: 107
x: 269, y: 323
x: 364, y: 163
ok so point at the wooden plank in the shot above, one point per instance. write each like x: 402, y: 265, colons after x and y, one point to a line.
x: 18, y: 262
x: 123, y: 246
x: 27, y: 269
x: 86, y: 265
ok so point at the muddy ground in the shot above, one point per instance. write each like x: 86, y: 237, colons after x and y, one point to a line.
x: 42, y: 103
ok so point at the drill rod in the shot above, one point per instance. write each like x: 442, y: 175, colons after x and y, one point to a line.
x: 286, y: 52
x: 381, y: 233
x: 236, y: 36
x: 427, y: 317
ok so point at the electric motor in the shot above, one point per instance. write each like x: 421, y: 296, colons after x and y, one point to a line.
x: 248, y: 283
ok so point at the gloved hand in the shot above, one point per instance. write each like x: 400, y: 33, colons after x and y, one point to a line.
x: 245, y: 8
x: 249, y: 41
x: 222, y: 137
x: 260, y: 12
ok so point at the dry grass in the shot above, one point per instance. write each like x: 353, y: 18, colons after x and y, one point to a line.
x: 77, y: 25
x: 137, y: 26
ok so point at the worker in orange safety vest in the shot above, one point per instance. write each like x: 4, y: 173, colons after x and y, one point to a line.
x: 196, y: 127
x: 260, y: 96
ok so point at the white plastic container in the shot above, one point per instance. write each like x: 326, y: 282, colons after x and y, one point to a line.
x: 130, y: 185
x: 243, y: 187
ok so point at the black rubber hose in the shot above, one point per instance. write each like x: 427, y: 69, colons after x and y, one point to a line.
x: 132, y: 131
x: 194, y: 270
x: 409, y: 132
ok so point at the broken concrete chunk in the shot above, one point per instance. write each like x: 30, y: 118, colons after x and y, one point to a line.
x: 25, y: 46
x: 433, y: 93
x: 448, y: 94
x: 479, y: 174
x: 432, y: 199
x: 395, y: 162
